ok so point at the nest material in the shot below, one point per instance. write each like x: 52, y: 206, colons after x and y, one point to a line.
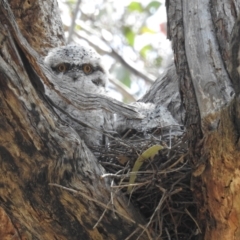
x: 162, y: 190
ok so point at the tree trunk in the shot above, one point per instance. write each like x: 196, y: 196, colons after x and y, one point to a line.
x: 206, y: 56
x: 39, y: 154
x: 37, y: 150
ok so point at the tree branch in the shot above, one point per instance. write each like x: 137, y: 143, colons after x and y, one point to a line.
x: 113, y: 53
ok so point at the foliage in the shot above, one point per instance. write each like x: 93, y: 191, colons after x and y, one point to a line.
x: 127, y: 34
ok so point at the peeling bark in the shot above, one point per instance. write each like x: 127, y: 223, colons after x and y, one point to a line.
x: 36, y: 148
x: 205, y: 48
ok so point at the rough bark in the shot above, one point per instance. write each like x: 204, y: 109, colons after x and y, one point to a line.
x: 206, y: 53
x: 37, y: 149
x: 165, y: 92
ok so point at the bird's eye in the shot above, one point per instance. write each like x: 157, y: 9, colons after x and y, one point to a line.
x: 87, y: 68
x: 62, y: 67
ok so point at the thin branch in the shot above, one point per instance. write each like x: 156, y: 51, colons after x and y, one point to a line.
x: 134, y: 232
x: 156, y: 210
x: 129, y: 65
x: 71, y: 29
x: 122, y: 88
x: 190, y: 215
x: 113, y: 53
x: 101, y: 205
x: 111, y: 175
x: 101, y: 217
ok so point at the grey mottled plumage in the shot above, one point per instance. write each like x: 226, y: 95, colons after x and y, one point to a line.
x: 74, y: 58
x: 75, y: 70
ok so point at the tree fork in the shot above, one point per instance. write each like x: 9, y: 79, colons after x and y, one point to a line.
x: 36, y: 149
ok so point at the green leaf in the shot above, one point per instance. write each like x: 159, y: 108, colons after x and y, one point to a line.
x: 153, y: 6
x: 145, y: 50
x: 123, y: 75
x: 126, y: 80
x: 150, y: 153
x: 71, y: 2
x: 158, y: 61
x: 135, y: 6
x: 145, y: 29
x: 129, y: 35
x: 78, y: 27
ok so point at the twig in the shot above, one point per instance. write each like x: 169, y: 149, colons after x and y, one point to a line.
x: 190, y: 215
x: 102, y: 205
x: 122, y: 88
x: 71, y: 29
x: 113, y: 53
x: 170, y: 137
x: 110, y: 175
x: 112, y: 165
x: 101, y: 217
x: 136, y: 230
x: 166, y: 230
x: 112, y: 193
x: 132, y: 184
x: 156, y: 209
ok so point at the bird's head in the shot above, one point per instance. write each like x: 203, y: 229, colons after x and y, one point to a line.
x: 77, y: 65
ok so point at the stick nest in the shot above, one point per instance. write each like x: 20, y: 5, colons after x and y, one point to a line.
x: 162, y: 189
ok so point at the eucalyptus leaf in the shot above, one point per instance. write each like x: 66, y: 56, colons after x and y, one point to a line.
x: 129, y: 35
x: 150, y: 153
x: 153, y: 6
x: 135, y: 6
